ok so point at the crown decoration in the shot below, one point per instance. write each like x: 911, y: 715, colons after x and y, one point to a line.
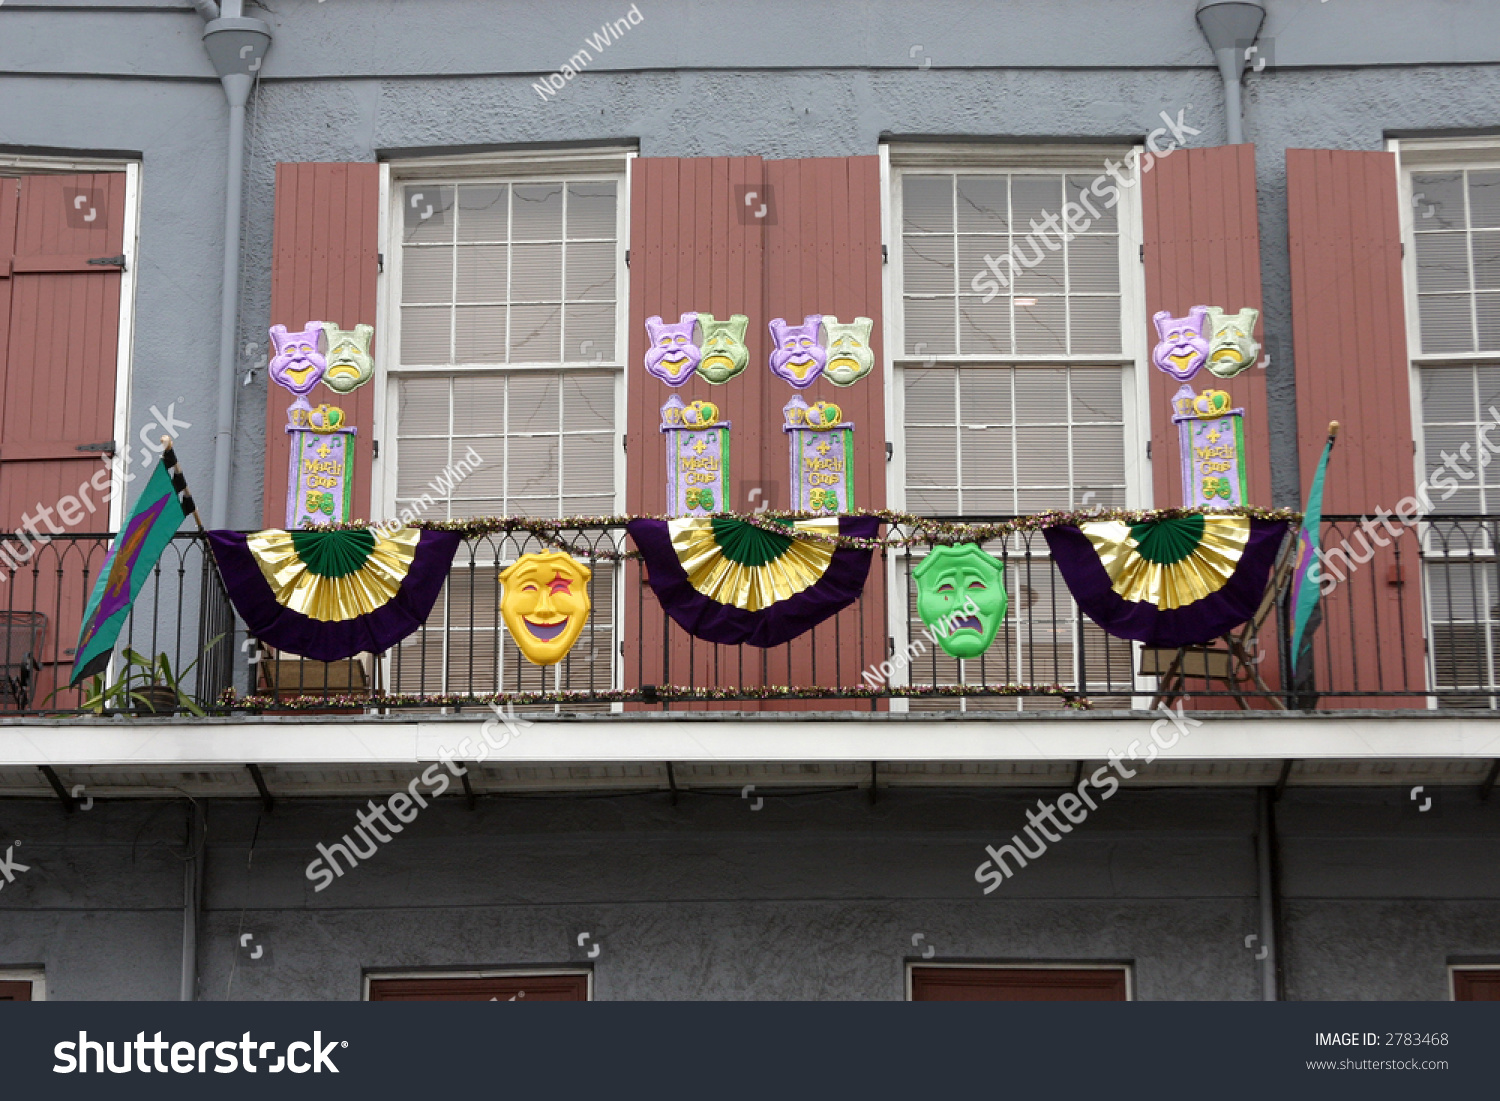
x: 325, y: 418
x: 700, y: 414
x: 1211, y: 403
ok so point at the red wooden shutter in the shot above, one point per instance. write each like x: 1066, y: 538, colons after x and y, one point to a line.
x: 1018, y: 984
x: 59, y: 354
x: 1348, y: 317
x: 697, y: 245
x: 1477, y: 985
x: 1202, y: 248
x: 323, y: 268
x: 15, y: 991
x: 490, y: 988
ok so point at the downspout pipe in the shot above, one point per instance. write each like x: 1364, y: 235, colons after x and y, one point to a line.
x: 1266, y: 892
x: 1231, y: 27
x: 237, y: 47
x: 192, y: 899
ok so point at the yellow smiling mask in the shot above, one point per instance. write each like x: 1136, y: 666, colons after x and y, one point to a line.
x: 545, y: 604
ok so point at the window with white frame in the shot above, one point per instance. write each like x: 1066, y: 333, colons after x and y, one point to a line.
x: 1452, y: 229
x: 503, y: 398
x: 1013, y: 386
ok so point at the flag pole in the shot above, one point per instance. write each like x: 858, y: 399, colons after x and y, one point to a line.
x: 179, y: 483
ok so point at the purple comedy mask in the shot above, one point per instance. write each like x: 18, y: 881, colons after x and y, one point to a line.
x: 297, y: 365
x: 672, y: 355
x: 797, y: 356
x: 1183, y: 347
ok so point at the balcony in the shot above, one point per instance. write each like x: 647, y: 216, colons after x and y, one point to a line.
x: 1377, y: 647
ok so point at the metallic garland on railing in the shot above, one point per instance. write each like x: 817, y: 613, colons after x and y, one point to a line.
x: 926, y: 531
x: 651, y: 694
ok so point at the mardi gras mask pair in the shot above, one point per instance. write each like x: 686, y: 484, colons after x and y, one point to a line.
x: 299, y: 366
x: 545, y: 604
x: 961, y: 598
x: 673, y: 354
x: 798, y: 356
x: 1206, y: 337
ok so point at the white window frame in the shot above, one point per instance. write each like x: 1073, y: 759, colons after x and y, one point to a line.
x: 611, y: 163
x: 34, y: 975
x: 1414, y: 155
x: 125, y: 343
x: 484, y: 973
x: 924, y: 158
x: 1014, y: 965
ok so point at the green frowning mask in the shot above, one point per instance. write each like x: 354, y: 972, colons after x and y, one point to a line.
x: 724, y: 351
x: 961, y: 598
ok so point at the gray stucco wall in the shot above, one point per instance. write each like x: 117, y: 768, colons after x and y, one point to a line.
x: 345, y: 80
x: 814, y: 896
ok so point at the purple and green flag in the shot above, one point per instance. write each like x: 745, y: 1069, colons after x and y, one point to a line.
x: 157, y: 515
x: 1305, y: 593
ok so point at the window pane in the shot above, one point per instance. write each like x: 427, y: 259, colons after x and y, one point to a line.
x: 481, y: 273
x: 423, y: 407
x: 1094, y: 326
x: 536, y: 273
x: 1484, y: 200
x: 479, y: 334
x: 984, y: 328
x: 982, y: 204
x: 1438, y: 199
x: 929, y: 326
x: 427, y: 214
x: 588, y: 401
x: 591, y: 272
x: 1080, y: 187
x: 1442, y: 262
x: 927, y: 204
x: 589, y: 333
x: 483, y: 210
x: 986, y: 396
x: 932, y: 456
x: 1487, y: 314
x: 536, y: 214
x: 928, y: 265
x: 587, y: 464
x: 1039, y: 326
x: 1096, y: 394
x: 533, y: 402
x: 478, y: 404
x: 1094, y: 265
x: 929, y: 396
x: 1446, y: 322
x: 1448, y: 396
x: 417, y: 463
x: 591, y: 210
x: 426, y: 335
x: 426, y: 275
x: 535, y: 334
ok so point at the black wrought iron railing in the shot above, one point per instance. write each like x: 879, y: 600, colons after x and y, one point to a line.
x: 1410, y: 619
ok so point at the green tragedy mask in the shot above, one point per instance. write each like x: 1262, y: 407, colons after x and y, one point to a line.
x: 961, y: 598
x: 349, y: 362
x: 850, y: 357
x: 724, y: 351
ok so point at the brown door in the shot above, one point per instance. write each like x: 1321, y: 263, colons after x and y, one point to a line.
x: 1477, y: 986
x: 1018, y: 984
x: 61, y: 263
x: 15, y: 991
x: 495, y: 988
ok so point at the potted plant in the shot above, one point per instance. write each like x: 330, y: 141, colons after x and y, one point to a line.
x: 146, y: 686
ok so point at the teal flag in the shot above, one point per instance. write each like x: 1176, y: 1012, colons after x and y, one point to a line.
x: 157, y: 515
x: 1304, y: 588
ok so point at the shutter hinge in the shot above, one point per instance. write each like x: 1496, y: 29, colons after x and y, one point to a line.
x: 1148, y: 449
x: 110, y: 261
x: 890, y: 451
x: 624, y: 443
x: 885, y: 254
x: 108, y: 447
x: 380, y: 262
x: 1143, y: 254
x: 627, y: 258
x: 1403, y: 250
x: 374, y: 449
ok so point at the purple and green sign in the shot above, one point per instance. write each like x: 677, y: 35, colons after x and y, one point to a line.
x: 319, y: 487
x: 1212, y: 441
x: 697, y: 457
x: 822, y: 447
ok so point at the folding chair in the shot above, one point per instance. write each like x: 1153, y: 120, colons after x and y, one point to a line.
x: 1234, y: 659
